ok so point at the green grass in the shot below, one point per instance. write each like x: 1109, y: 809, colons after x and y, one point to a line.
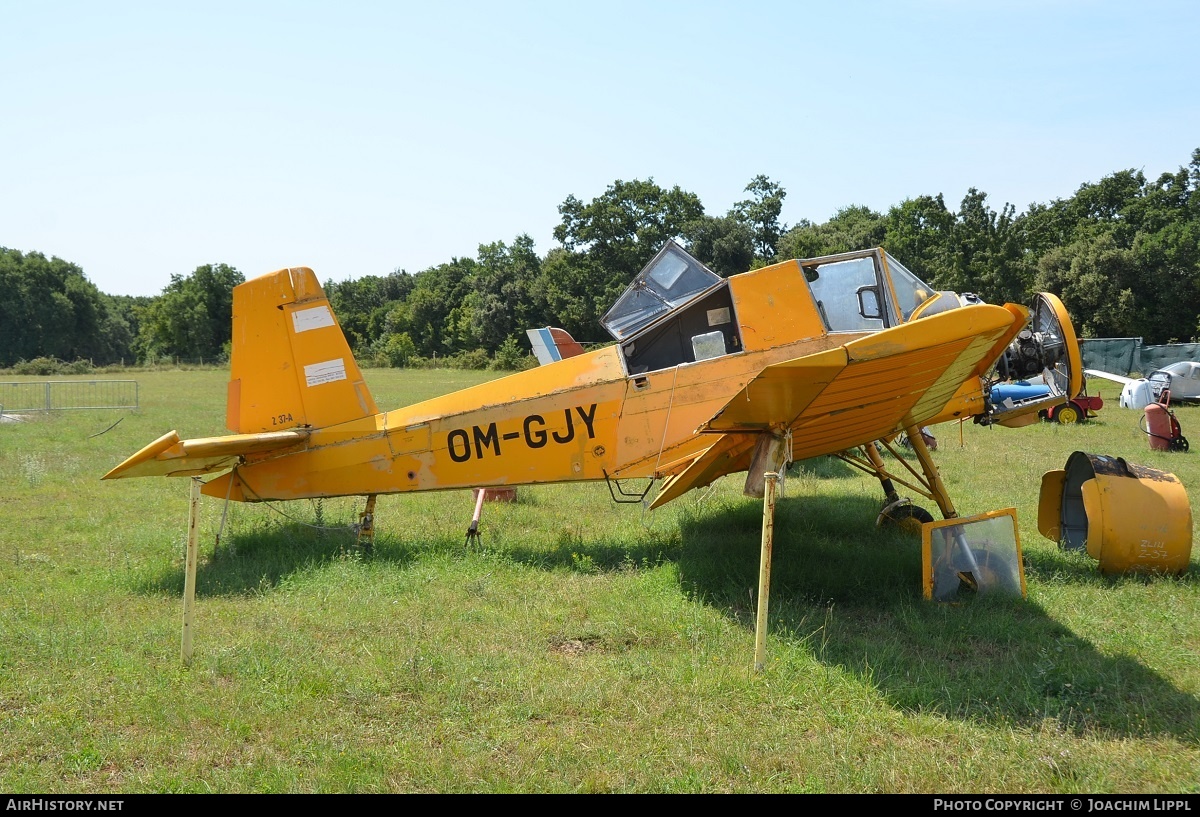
x: 581, y: 646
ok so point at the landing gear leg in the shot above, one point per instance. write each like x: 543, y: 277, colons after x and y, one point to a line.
x: 968, y: 567
x: 937, y: 488
x: 473, y: 528
x: 896, y: 509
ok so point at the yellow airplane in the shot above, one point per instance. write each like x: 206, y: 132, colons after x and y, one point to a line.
x: 708, y: 376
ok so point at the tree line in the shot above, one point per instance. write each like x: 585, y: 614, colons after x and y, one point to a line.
x: 1122, y: 253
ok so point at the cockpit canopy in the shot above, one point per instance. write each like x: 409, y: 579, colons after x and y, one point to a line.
x: 860, y: 291
x: 863, y: 291
x: 678, y: 311
x: 671, y: 279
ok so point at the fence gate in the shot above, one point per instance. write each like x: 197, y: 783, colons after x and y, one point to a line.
x: 63, y: 395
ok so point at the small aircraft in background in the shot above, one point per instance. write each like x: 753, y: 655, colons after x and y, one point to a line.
x: 1181, y: 379
x: 708, y: 376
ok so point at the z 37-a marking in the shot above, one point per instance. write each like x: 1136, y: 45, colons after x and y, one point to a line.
x: 463, y: 444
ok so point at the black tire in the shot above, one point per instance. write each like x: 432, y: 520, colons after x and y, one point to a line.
x: 908, y: 517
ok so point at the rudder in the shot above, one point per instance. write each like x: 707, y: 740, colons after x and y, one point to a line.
x: 291, y: 365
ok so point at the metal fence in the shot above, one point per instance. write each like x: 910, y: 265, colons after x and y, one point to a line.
x: 1127, y: 356
x: 62, y: 395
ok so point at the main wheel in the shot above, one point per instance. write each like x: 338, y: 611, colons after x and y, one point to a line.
x: 906, y: 516
x: 1067, y: 414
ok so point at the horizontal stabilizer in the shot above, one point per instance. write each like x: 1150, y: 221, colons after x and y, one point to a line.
x: 169, y: 456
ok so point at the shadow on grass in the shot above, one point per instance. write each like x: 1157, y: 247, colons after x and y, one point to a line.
x: 851, y: 594
x: 842, y: 589
x: 258, y: 560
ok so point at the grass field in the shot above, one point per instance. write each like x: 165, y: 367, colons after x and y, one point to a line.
x: 582, y: 645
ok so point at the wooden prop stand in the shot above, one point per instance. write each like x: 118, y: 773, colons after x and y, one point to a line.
x: 189, y: 575
x: 764, y: 570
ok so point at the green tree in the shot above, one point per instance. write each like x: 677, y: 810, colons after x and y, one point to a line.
x: 571, y: 292
x: 397, y: 350
x: 362, y: 304
x: 435, y: 306
x: 986, y: 253
x: 1124, y: 254
x: 1096, y: 279
x: 725, y: 245
x: 852, y: 228
x: 192, y: 319
x: 48, y: 308
x: 918, y: 233
x: 621, y: 230
x: 118, y: 328
x: 761, y: 213
x: 500, y: 304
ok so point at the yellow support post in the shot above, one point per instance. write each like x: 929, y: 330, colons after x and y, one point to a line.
x: 764, y: 570
x: 189, y: 575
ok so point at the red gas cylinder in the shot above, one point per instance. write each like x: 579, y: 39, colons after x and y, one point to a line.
x: 1162, y: 426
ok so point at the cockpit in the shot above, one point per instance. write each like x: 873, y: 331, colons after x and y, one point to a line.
x: 678, y: 311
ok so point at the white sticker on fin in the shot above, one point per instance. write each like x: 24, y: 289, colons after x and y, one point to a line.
x: 329, y: 371
x: 315, y: 318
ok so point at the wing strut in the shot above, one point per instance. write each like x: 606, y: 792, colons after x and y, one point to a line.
x: 901, y: 511
x: 928, y: 483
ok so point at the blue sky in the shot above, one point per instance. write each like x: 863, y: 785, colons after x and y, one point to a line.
x: 141, y: 140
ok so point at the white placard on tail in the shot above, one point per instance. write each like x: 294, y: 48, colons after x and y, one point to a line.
x: 315, y: 318
x: 327, y: 372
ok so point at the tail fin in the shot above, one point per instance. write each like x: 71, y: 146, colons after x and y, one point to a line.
x: 552, y: 344
x: 291, y: 365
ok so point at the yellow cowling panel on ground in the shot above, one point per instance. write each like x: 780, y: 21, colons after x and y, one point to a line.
x: 1138, y: 523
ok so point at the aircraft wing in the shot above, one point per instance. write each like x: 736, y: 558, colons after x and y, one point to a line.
x: 844, y: 397
x: 1116, y: 378
x: 172, y: 457
x: 871, y: 387
x: 728, y: 455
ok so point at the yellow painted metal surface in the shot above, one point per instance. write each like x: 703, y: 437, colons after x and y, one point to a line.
x: 308, y: 426
x: 170, y: 456
x: 291, y: 366
x: 764, y: 572
x: 1050, y: 505
x: 189, y: 573
x: 774, y: 307
x: 730, y: 454
x: 1070, y: 342
x: 1130, y: 518
x: 890, y: 379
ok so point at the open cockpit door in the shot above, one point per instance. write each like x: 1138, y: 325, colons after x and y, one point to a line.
x: 671, y: 279
x: 676, y: 311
